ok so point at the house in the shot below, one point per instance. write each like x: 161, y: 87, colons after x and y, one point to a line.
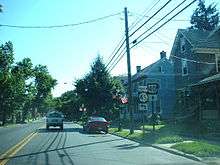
x: 195, y: 56
x: 207, y: 92
x: 162, y: 72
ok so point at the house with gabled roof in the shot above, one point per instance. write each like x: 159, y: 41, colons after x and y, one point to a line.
x: 162, y: 72
x: 195, y: 56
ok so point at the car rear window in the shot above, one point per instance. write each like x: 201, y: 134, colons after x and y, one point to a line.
x: 54, y: 115
x: 97, y: 119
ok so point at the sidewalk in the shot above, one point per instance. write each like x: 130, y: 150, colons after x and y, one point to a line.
x: 167, y: 148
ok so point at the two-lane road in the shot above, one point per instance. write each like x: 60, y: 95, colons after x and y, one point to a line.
x: 73, y: 147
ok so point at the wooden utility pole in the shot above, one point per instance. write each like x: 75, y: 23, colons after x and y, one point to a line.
x: 130, y: 109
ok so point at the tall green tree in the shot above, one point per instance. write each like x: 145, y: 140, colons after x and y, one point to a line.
x: 6, y: 79
x: 69, y: 105
x: 22, y: 73
x: 205, y: 18
x: 44, y: 84
x: 23, y: 88
x: 96, y: 90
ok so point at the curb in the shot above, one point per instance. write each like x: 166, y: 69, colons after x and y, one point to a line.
x: 172, y: 151
x: 176, y: 152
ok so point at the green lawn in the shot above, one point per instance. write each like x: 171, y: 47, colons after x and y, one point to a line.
x: 201, y: 149
x: 148, y: 137
x: 137, y: 135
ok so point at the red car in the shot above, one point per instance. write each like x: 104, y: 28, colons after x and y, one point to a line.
x: 96, y: 124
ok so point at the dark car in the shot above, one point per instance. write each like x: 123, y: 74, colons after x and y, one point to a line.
x: 95, y: 124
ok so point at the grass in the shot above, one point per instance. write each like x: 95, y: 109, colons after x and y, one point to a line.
x: 201, y: 149
x: 126, y: 133
x: 169, y: 139
x: 150, y: 127
x: 148, y: 137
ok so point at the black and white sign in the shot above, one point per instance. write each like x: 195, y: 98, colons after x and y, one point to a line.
x: 143, y: 97
x: 152, y: 88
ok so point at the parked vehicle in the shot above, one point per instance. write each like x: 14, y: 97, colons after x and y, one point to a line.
x: 54, y: 119
x: 96, y: 124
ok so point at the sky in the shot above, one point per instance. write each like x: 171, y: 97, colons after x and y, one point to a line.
x: 69, y: 52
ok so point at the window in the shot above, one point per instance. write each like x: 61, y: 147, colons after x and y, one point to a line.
x: 184, y: 67
x: 161, y: 69
x: 182, y: 44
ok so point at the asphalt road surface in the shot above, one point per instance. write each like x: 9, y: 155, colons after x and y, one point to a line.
x: 74, y: 147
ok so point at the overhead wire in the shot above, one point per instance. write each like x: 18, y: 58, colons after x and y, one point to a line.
x: 160, y: 20
x: 150, y: 17
x: 114, y: 53
x: 142, y: 16
x: 121, y: 56
x: 60, y: 26
x: 164, y: 23
x: 155, y: 30
x: 174, y: 20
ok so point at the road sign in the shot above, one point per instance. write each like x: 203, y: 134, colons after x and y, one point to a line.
x: 142, y: 107
x: 152, y: 97
x: 142, y: 88
x: 152, y: 88
x: 143, y: 97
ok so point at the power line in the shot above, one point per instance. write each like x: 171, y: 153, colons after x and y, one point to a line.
x: 116, y: 58
x: 194, y: 61
x: 131, y: 27
x: 120, y: 42
x: 150, y: 18
x: 113, y: 66
x: 160, y: 20
x: 174, y: 20
x: 121, y: 56
x: 156, y: 30
x: 116, y: 52
x: 60, y: 26
x: 164, y: 23
x: 144, y: 15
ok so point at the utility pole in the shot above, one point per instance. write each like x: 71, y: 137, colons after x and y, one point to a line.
x: 130, y: 109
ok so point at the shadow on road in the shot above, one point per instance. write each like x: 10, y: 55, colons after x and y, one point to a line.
x: 127, y: 146
x: 61, y: 148
x: 44, y: 130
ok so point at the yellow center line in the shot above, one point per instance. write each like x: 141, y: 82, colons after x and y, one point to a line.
x: 4, y: 158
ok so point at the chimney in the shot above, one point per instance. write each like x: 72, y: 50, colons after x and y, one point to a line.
x: 138, y: 68
x: 163, y: 55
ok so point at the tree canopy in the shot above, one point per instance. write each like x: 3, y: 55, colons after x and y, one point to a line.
x: 205, y: 18
x: 23, y: 87
x: 97, y: 89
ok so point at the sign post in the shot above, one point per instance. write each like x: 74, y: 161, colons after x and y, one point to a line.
x: 142, y: 100
x: 152, y: 91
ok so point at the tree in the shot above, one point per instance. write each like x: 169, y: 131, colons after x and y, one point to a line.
x: 205, y: 18
x: 69, y: 105
x: 96, y: 90
x: 44, y: 84
x: 6, y: 81
x: 23, y: 88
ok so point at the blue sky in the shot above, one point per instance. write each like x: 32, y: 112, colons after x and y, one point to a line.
x: 68, y: 52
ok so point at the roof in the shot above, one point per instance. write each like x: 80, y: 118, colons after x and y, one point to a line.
x: 200, y: 38
x: 208, y: 80
x: 149, y: 69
